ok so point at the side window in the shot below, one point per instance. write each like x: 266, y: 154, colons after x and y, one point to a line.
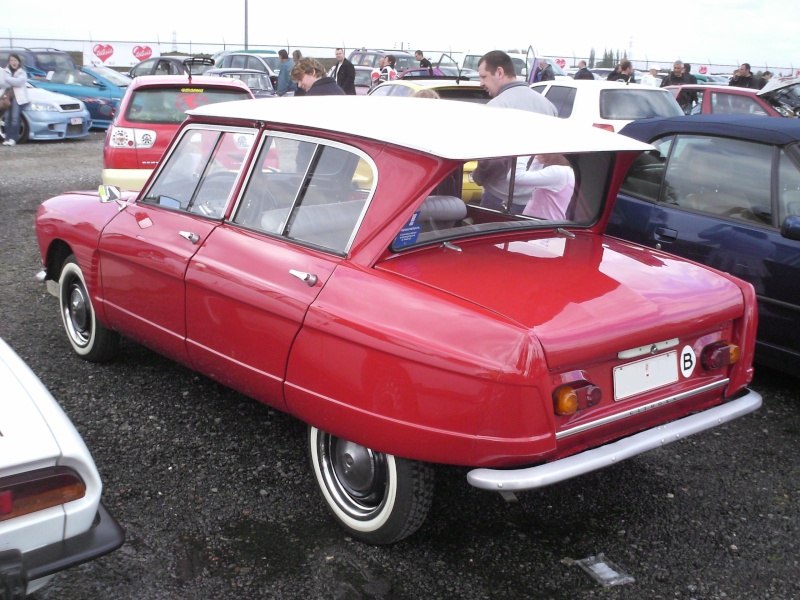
x: 697, y: 102
x: 382, y: 90
x: 400, y: 90
x: 734, y: 104
x: 563, y: 98
x: 308, y: 192
x: 647, y: 172
x: 200, y: 174
x: 145, y: 66
x: 723, y: 177
x: 788, y: 188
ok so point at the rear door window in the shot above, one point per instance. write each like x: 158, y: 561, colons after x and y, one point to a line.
x: 563, y: 98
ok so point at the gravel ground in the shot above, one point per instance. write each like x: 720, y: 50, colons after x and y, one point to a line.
x: 217, y: 499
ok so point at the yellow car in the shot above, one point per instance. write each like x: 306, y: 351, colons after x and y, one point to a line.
x: 448, y: 88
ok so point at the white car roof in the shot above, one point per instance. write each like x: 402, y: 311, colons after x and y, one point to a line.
x: 598, y: 84
x: 777, y: 83
x: 446, y: 128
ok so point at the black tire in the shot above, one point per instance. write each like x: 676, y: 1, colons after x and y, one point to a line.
x: 89, y: 338
x: 378, y: 498
x: 24, y: 128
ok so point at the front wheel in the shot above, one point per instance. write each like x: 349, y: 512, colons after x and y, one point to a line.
x: 90, y: 339
x: 378, y: 498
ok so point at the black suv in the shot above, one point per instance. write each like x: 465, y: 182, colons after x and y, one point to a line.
x: 370, y: 58
x: 39, y: 61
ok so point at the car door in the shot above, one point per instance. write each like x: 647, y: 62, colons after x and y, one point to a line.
x: 249, y: 286
x: 146, y: 249
x: 722, y: 202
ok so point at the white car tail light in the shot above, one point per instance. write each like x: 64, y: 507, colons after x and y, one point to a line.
x: 128, y: 137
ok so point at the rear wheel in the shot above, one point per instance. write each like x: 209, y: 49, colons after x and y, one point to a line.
x: 89, y: 339
x: 378, y: 498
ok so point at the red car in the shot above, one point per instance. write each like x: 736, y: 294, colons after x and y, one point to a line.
x: 724, y: 100
x: 149, y: 114
x: 318, y: 257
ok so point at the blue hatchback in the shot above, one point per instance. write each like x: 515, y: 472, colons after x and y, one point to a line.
x: 99, y: 88
x: 724, y: 191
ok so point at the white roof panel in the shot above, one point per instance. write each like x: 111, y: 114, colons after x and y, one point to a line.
x: 447, y: 128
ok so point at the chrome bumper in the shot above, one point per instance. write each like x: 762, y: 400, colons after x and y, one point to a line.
x: 532, y: 478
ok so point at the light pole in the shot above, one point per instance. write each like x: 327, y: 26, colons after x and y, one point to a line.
x: 245, y: 24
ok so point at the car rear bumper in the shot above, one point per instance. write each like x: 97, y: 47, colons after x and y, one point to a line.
x: 18, y: 569
x: 532, y: 478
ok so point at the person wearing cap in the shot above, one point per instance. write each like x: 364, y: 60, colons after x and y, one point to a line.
x: 651, y: 77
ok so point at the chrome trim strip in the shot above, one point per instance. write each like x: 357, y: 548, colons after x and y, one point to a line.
x: 640, y: 409
x: 649, y: 349
x: 597, y: 458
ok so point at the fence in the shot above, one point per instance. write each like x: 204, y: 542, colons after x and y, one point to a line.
x: 127, y: 54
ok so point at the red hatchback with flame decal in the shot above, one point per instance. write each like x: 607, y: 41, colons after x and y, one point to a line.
x: 149, y: 115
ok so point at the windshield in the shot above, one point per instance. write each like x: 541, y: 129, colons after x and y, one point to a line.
x: 113, y: 76
x: 478, y: 197
x: 405, y: 62
x: 169, y: 105
x: 364, y: 77
x: 626, y: 103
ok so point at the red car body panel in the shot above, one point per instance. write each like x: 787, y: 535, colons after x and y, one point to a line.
x: 727, y: 92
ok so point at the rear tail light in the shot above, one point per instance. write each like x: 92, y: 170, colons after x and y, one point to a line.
x: 128, y: 137
x: 37, y: 490
x: 572, y: 397
x: 718, y: 355
x: 604, y: 126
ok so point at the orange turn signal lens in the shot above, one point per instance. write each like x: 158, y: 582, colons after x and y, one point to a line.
x: 565, y: 401
x: 37, y: 490
x: 719, y: 354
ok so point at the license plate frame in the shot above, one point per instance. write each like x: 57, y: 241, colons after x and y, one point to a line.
x: 645, y: 375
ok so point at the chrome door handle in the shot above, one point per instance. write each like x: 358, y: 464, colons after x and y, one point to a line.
x: 311, y: 280
x: 192, y: 237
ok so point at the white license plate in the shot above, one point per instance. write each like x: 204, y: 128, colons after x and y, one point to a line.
x: 645, y: 375
x: 76, y: 121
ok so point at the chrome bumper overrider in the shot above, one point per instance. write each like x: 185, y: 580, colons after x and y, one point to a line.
x: 531, y: 478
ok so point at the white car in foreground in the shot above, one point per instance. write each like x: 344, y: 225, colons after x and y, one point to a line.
x: 51, y: 517
x: 608, y: 105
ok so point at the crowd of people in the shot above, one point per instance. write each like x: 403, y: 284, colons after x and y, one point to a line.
x: 307, y: 76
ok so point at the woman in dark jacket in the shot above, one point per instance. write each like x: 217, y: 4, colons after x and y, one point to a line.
x: 310, y: 76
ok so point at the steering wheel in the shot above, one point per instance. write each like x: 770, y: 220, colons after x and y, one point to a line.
x: 253, y: 206
x: 213, y: 195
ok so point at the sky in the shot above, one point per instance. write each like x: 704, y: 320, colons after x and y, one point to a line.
x: 725, y: 32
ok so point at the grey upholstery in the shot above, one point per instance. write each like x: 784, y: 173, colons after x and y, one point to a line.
x: 441, y: 212
x: 327, y: 225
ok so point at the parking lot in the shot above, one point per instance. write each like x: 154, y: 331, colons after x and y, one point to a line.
x: 218, y: 501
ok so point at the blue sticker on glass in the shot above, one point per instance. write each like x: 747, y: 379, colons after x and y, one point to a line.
x: 409, y: 233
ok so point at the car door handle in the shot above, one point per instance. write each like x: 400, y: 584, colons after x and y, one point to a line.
x: 311, y: 280
x: 662, y: 233
x: 192, y: 237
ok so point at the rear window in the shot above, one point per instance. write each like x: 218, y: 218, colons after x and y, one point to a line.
x: 169, y: 105
x: 53, y: 61
x: 629, y: 104
x: 465, y: 95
